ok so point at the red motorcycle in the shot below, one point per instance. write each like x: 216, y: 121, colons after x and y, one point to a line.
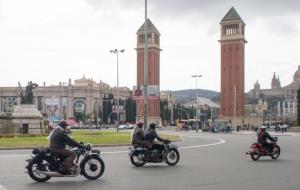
x: 257, y: 150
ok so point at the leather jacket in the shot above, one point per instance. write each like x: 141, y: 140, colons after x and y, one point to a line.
x: 262, y: 137
x: 138, y: 138
x: 151, y: 135
x: 59, y: 139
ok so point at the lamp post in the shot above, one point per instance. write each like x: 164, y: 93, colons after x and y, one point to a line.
x: 196, y: 76
x: 145, y: 69
x: 117, y: 51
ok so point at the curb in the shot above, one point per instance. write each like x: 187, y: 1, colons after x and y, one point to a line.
x: 94, y: 145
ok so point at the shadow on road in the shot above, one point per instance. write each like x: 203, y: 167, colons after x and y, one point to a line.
x: 75, y: 184
x: 269, y: 160
x: 155, y: 167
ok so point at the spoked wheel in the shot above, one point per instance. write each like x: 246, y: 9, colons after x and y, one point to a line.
x: 255, y: 156
x: 137, y: 160
x: 36, y: 167
x: 172, y: 157
x: 276, y: 151
x: 92, y: 167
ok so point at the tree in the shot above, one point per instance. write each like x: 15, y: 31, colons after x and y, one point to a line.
x: 130, y: 110
x: 107, y: 107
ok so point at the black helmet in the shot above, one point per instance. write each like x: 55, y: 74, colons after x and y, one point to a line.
x: 63, y: 124
x: 152, y: 125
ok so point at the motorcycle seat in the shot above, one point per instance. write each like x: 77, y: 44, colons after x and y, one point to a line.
x: 40, y: 151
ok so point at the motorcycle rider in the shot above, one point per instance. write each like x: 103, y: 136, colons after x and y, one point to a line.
x: 151, y: 135
x: 138, y: 138
x: 262, y: 137
x: 58, y: 141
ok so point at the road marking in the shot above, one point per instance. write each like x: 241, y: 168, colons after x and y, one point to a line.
x: 220, y: 141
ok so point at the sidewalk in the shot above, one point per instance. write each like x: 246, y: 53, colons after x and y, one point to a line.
x: 273, y: 133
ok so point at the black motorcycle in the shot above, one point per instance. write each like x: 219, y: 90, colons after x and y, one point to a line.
x: 139, y: 156
x: 45, y: 164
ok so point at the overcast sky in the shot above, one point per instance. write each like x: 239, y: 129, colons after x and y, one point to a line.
x: 54, y: 40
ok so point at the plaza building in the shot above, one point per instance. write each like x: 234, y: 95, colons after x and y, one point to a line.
x: 282, y: 99
x: 79, y: 100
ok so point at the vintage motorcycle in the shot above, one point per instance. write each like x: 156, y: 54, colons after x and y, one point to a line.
x: 257, y: 150
x: 139, y: 156
x: 45, y: 164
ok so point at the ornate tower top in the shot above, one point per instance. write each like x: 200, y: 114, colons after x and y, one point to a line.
x: 152, y: 36
x: 232, y: 27
x: 257, y: 85
x: 150, y: 28
x: 275, y: 82
x: 231, y: 15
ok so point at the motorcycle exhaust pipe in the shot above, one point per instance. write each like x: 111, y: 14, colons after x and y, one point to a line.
x: 53, y: 174
x: 57, y: 174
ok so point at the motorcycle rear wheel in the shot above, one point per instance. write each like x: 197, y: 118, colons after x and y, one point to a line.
x: 36, y: 166
x: 255, y: 156
x: 92, y: 167
x: 276, y: 154
x: 134, y: 161
x: 172, y: 157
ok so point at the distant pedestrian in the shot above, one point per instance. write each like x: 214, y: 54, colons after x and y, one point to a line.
x: 281, y: 127
x: 285, y: 126
x: 196, y: 127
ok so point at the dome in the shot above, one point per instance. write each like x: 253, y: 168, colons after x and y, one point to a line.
x: 297, y: 75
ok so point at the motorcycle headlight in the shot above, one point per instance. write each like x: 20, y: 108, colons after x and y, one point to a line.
x: 88, y: 147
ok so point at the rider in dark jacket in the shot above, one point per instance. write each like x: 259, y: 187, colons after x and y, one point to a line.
x: 263, y: 136
x: 138, y: 138
x: 151, y: 135
x: 58, y: 141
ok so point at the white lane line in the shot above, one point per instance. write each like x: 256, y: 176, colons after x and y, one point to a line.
x: 2, y: 188
x: 220, y: 141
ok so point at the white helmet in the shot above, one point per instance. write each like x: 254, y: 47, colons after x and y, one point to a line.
x: 262, y: 127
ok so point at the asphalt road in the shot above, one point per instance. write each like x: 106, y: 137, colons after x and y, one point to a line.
x: 208, y: 162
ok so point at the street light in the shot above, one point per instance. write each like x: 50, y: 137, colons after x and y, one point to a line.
x: 117, y: 51
x: 146, y: 69
x: 196, y: 76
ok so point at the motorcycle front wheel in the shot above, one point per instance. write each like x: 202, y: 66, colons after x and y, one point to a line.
x: 36, y: 167
x: 276, y: 153
x: 92, y: 167
x: 136, y: 162
x: 172, y: 157
x: 255, y: 156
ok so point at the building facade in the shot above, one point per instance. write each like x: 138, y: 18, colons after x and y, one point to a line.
x: 284, y: 98
x: 153, y: 49
x: 232, y: 64
x: 79, y: 100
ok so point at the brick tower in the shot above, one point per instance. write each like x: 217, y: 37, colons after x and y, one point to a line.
x: 232, y: 65
x: 153, y: 72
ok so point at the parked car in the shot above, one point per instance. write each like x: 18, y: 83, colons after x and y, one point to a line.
x: 130, y: 126
x: 124, y: 126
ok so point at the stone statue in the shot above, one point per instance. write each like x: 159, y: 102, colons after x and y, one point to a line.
x: 27, y: 98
